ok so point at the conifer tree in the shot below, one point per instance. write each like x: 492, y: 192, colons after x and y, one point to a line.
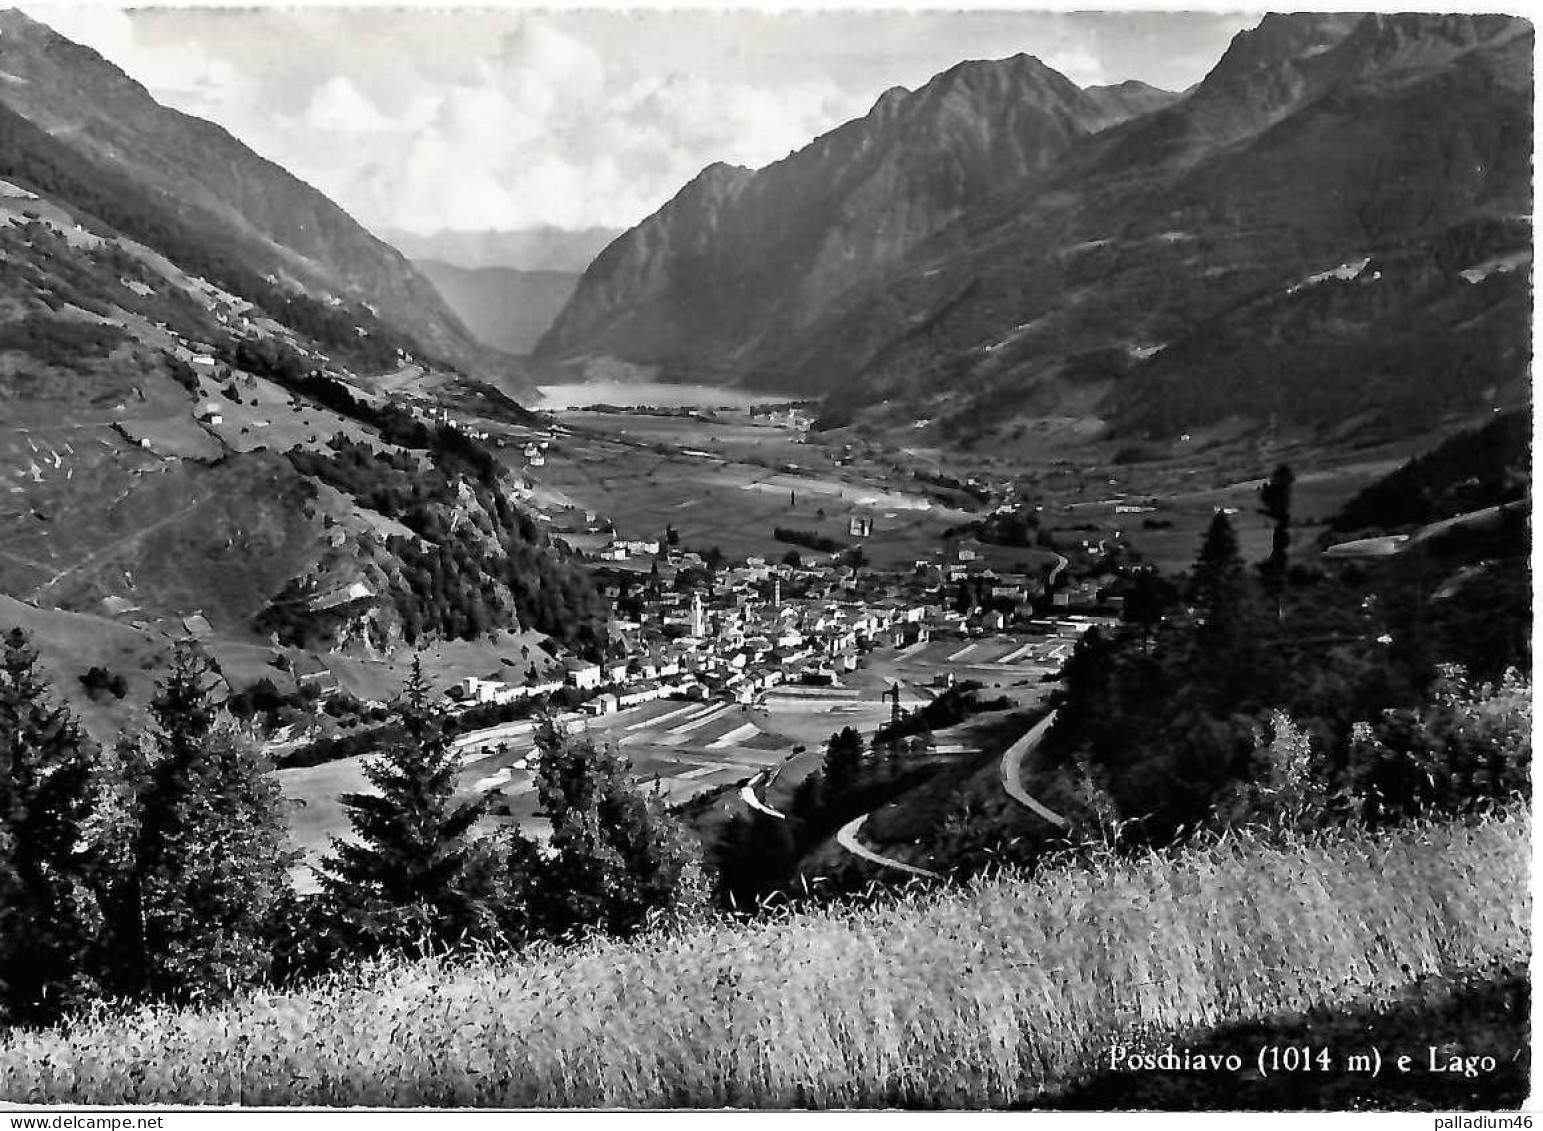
x: 1230, y: 669
x: 202, y: 858
x: 1146, y: 602
x: 47, y: 914
x: 843, y: 761
x: 1275, y: 504
x: 809, y: 797
x: 619, y: 858
x: 1218, y: 586
x: 413, y: 878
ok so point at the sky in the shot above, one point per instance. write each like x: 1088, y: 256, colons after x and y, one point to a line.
x: 507, y: 118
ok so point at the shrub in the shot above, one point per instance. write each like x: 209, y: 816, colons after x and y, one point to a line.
x: 98, y: 681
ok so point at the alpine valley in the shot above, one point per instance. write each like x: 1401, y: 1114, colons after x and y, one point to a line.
x: 1035, y: 579
x: 1331, y: 229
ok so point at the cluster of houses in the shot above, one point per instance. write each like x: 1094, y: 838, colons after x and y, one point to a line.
x: 730, y: 644
x: 624, y: 549
x: 429, y: 413
x: 739, y: 630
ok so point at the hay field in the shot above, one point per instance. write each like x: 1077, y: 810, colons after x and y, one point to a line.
x: 986, y: 996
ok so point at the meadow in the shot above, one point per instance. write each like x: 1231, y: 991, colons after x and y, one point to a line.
x: 1001, y: 993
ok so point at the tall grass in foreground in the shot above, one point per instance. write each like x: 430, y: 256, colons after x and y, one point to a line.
x: 966, y: 997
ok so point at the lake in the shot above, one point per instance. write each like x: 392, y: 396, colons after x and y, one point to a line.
x: 651, y: 394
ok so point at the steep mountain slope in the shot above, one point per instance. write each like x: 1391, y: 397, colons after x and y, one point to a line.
x: 1196, y: 262
x: 506, y: 309
x: 738, y: 261
x: 1328, y: 236
x: 265, y: 218
x: 167, y: 450
x: 177, y: 459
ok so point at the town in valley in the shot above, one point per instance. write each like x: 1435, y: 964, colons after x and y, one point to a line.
x: 617, y: 559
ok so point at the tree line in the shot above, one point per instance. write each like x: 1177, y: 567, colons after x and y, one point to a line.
x: 1244, y: 692
x: 159, y: 869
x: 760, y: 856
x: 475, y: 566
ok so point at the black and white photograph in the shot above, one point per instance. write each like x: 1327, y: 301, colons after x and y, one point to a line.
x: 771, y: 559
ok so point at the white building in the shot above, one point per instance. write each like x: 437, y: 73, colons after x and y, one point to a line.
x: 582, y: 674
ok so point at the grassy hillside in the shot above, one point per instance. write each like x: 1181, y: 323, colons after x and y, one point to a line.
x: 1002, y: 993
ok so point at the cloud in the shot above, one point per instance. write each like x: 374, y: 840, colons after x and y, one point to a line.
x: 1078, y: 63
x: 483, y: 118
x: 546, y: 130
x: 337, y: 106
x: 183, y: 74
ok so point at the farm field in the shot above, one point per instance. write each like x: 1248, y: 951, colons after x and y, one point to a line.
x: 1167, y: 531
x: 672, y: 471
x: 686, y: 748
x: 724, y: 480
x: 680, y: 748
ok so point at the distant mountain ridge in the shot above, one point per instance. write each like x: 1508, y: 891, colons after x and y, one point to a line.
x: 269, y: 220
x: 506, y: 309
x: 739, y: 260
x: 1149, y: 271
x: 518, y: 249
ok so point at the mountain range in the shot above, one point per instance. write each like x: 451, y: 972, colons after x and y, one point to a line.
x: 1332, y: 228
x: 504, y: 308
x: 739, y: 260
x: 274, y: 236
x: 203, y: 360
x: 222, y: 405
x: 519, y: 249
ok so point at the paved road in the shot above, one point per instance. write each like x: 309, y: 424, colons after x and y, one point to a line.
x: 748, y: 796
x: 846, y: 837
x: 1011, y: 769
x: 1389, y: 544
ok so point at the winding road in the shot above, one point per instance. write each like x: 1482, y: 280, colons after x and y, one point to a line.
x: 1011, y: 772
x: 846, y: 837
x: 747, y: 794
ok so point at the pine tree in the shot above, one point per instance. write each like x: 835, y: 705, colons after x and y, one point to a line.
x: 1275, y: 504
x: 47, y: 913
x: 843, y: 761
x: 202, y: 859
x: 809, y: 797
x: 1146, y: 602
x: 1218, y: 586
x: 619, y: 858
x: 1231, y: 669
x: 412, y: 879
